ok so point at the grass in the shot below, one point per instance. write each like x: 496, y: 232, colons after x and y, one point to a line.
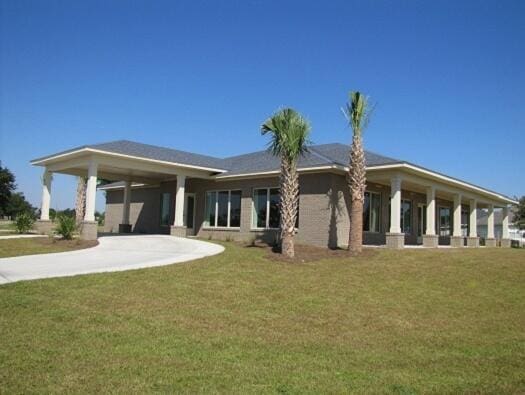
x: 40, y: 245
x: 402, y: 322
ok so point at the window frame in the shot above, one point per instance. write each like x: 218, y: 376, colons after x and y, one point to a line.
x: 449, y: 221
x: 207, y: 225
x: 370, y: 212
x: 253, y: 222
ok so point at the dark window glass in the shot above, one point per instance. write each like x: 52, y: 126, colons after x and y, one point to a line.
x: 275, y: 214
x: 222, y: 215
x: 165, y: 208
x: 406, y: 216
x: 444, y: 221
x: 260, y: 207
x: 366, y: 213
x: 189, y: 211
x: 235, y: 209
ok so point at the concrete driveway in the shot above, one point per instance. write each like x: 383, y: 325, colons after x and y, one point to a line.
x: 114, y: 253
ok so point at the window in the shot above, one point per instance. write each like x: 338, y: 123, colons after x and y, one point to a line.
x: 266, y: 212
x: 372, y: 212
x: 406, y: 216
x: 444, y: 221
x: 223, y: 209
x: 165, y: 199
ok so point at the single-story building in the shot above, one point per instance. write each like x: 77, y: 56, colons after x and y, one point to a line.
x: 163, y: 190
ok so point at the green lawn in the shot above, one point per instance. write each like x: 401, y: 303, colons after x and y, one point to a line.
x: 412, y: 321
x: 40, y: 245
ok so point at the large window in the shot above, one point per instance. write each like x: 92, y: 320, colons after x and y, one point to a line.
x: 406, y: 216
x: 372, y: 212
x: 165, y: 200
x: 464, y: 222
x: 223, y: 209
x: 266, y: 212
x: 444, y: 221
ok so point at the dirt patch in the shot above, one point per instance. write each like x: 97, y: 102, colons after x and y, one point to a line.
x: 307, y: 253
x: 67, y: 245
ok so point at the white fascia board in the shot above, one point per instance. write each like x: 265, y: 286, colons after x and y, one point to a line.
x: 276, y: 172
x: 442, y: 177
x: 43, y: 161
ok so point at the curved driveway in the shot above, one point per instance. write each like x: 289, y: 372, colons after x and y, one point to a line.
x: 112, y: 254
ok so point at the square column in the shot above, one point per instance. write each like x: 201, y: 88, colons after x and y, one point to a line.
x: 490, y: 240
x: 44, y: 225
x: 395, y: 239
x: 505, y: 237
x: 430, y: 239
x: 178, y: 228
x: 125, y: 226
x: 473, y: 239
x: 89, y: 225
x: 457, y: 239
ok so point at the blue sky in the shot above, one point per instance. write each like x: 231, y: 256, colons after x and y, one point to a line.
x: 447, y: 77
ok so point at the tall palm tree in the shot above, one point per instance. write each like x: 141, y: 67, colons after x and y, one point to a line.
x: 357, y: 112
x: 289, y: 139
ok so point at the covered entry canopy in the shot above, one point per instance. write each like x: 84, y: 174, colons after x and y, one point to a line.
x: 123, y: 161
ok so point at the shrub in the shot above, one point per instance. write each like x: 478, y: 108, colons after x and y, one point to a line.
x: 24, y: 222
x: 66, y: 226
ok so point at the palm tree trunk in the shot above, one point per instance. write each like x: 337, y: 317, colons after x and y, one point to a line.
x: 357, y: 183
x: 80, y: 204
x: 289, y: 205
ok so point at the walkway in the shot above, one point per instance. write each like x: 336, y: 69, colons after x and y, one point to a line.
x: 114, y: 253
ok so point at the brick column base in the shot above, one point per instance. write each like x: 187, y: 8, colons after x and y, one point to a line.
x: 456, y: 241
x: 89, y: 230
x: 395, y: 240
x: 179, y: 231
x: 490, y: 242
x: 430, y: 241
x: 473, y: 242
x: 505, y: 243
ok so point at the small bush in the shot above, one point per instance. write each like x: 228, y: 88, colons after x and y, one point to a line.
x: 66, y: 226
x: 24, y: 223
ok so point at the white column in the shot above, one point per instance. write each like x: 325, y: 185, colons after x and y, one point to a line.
x: 395, y: 205
x: 179, y: 201
x: 46, y: 195
x: 126, y: 203
x: 490, y: 222
x: 431, y: 211
x: 505, y: 223
x: 91, y: 191
x: 473, y: 218
x: 457, y: 215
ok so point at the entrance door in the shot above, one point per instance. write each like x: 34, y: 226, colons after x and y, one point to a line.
x: 421, y: 222
x: 189, y: 214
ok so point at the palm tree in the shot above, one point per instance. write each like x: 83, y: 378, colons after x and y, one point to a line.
x: 357, y: 113
x: 80, y: 204
x: 289, y: 139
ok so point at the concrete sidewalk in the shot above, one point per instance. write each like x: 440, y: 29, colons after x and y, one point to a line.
x: 114, y: 253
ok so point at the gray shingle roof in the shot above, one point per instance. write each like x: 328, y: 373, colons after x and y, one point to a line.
x: 148, y: 151
x: 260, y: 161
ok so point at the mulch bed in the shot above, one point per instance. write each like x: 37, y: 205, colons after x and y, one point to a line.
x: 307, y: 253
